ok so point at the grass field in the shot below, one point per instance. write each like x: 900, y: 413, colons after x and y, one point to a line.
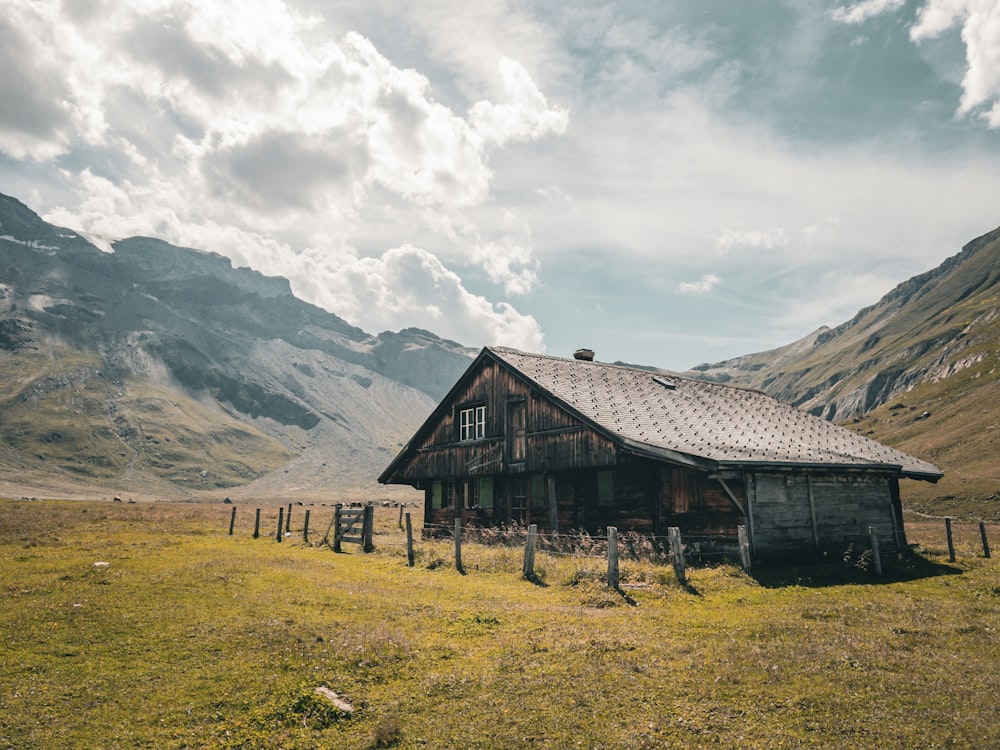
x: 189, y: 637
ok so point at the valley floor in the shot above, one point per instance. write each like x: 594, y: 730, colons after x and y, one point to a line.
x: 149, y: 625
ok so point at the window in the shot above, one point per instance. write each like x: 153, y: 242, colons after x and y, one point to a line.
x: 472, y: 423
x: 452, y: 495
x: 519, y: 499
x: 605, y: 488
x: 538, y: 499
x: 486, y: 493
x: 517, y: 442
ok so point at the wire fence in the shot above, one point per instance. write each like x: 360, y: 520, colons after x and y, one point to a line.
x: 634, y: 545
x: 502, y: 546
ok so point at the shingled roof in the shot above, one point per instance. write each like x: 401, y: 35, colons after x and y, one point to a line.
x: 704, y: 423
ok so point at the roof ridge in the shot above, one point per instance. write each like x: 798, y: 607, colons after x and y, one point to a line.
x: 642, y: 369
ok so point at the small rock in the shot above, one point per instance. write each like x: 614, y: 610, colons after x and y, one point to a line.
x: 335, y: 699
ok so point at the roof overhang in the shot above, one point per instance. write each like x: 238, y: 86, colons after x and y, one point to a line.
x: 664, y: 454
x: 894, y: 469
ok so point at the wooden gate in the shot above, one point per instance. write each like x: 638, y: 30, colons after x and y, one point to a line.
x: 346, y: 520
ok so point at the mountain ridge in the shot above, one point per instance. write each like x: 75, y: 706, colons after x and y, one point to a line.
x: 916, y: 370
x: 152, y: 341
x: 166, y: 371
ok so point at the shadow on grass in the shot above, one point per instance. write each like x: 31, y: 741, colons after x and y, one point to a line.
x: 625, y: 597
x: 690, y: 588
x: 533, y: 578
x: 898, y: 567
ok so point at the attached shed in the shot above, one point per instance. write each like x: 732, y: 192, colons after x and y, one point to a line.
x: 571, y: 444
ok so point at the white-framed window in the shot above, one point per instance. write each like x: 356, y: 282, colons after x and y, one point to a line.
x: 472, y: 423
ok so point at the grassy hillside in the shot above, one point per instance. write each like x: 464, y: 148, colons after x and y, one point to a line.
x: 955, y: 424
x: 188, y: 637
x: 61, y: 416
x: 919, y: 370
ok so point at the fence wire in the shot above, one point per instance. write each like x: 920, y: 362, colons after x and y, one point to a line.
x: 633, y: 545
x: 503, y: 547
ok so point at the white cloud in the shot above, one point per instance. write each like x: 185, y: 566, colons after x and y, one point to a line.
x: 465, y: 39
x: 980, y: 21
x: 704, y: 285
x: 524, y: 116
x: 508, y: 259
x: 260, y: 134
x: 259, y: 124
x: 405, y: 286
x: 639, y: 56
x: 862, y: 11
x: 757, y: 239
x: 408, y: 286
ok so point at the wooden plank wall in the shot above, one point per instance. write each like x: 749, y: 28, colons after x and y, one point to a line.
x: 696, y: 504
x: 781, y: 519
x: 555, y: 440
x: 845, y: 506
x: 687, y: 499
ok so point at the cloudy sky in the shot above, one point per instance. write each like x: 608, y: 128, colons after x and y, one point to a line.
x: 666, y: 183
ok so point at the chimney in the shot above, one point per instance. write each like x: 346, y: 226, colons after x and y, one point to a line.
x: 585, y: 355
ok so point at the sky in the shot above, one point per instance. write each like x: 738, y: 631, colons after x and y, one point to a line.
x: 665, y: 183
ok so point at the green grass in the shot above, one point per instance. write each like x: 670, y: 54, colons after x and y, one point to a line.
x: 193, y: 638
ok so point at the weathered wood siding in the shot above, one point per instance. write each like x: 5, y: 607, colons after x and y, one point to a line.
x: 644, y: 496
x: 555, y: 440
x: 846, y: 506
x: 696, y: 504
x: 843, y: 506
x: 631, y: 506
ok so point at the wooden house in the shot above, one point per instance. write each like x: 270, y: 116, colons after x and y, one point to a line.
x: 572, y: 444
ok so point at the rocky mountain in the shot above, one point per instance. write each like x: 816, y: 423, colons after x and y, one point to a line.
x: 165, y: 371
x: 917, y: 370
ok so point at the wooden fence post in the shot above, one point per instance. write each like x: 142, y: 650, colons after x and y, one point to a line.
x: 986, y: 542
x: 876, y: 558
x: 409, y: 541
x: 256, y: 525
x: 367, y: 529
x: 458, y: 545
x: 528, y: 570
x: 288, y: 518
x: 400, y: 515
x: 951, y: 542
x: 232, y: 521
x: 305, y: 529
x: 677, y: 554
x: 281, y: 522
x: 336, y: 528
x: 612, y: 557
x: 741, y: 534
